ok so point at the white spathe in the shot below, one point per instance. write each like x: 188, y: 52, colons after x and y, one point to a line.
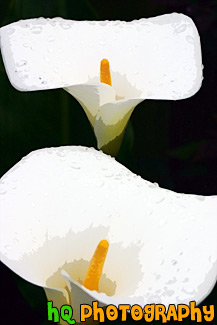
x: 155, y: 58
x: 58, y: 203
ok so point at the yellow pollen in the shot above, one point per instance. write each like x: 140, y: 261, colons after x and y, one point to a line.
x: 105, y: 75
x: 95, y: 268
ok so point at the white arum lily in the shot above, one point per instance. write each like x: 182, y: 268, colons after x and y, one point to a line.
x: 155, y: 58
x: 57, y: 204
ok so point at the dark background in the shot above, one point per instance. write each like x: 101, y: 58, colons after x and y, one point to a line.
x: 172, y: 143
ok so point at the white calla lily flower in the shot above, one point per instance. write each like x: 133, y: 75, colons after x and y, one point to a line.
x: 155, y: 58
x: 57, y: 204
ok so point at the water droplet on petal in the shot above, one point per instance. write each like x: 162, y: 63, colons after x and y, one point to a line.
x: 211, y: 259
x: 99, y: 183
x: 21, y: 63
x: 65, y: 25
x: 157, y: 199
x: 200, y: 197
x: 181, y: 28
x: 75, y: 165
x: 2, y: 191
x: 36, y: 30
x: 190, y: 39
x: 61, y: 153
x: 51, y: 38
x: 10, y: 31
x: 153, y: 185
x: 50, y: 49
x: 103, y: 23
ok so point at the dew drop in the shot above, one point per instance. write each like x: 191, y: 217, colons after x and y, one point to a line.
x: 169, y: 293
x: 153, y: 185
x: 50, y: 49
x: 211, y: 260
x: 103, y: 23
x: 36, y: 30
x: 149, y: 212
x: 100, y: 184
x: 157, y: 199
x: 190, y: 39
x: 21, y: 63
x: 65, y: 25
x: 75, y: 165
x: 2, y: 191
x: 10, y: 31
x: 181, y: 28
x: 172, y: 281
x: 61, y: 153
x: 51, y: 38
x: 200, y: 197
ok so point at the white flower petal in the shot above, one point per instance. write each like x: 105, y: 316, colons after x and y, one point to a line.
x: 79, y: 295
x: 58, y: 296
x: 91, y: 97
x: 57, y: 204
x: 111, y: 122
x: 160, y: 56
